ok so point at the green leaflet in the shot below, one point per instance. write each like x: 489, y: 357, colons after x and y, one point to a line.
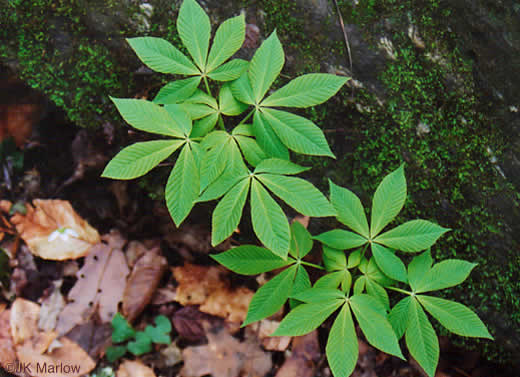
x: 177, y: 91
x: 121, y: 329
x: 148, y: 116
x: 316, y: 295
x: 456, y: 317
x: 398, y: 316
x: 297, y: 133
x: 377, y: 292
x: 301, y: 241
x: 141, y: 345
x: 349, y: 209
x: 203, y: 126
x: 232, y: 70
x: 194, y: 30
x: 354, y: 258
x: 160, y: 333
x: 228, y: 105
x: 214, y: 163
x: 236, y: 172
x: 307, y: 90
x: 201, y: 97
x: 228, y: 212
x: 388, y: 200
x: 162, y: 56
x: 373, y: 272
x: 415, y: 235
x: 332, y: 280
x: 341, y: 239
x: 271, y: 296
x: 378, y: 331
x: 342, y: 345
x: 115, y: 352
x: 418, y: 268
x: 334, y: 259
x: 279, y: 166
x: 139, y: 158
x: 421, y: 339
x: 242, y: 90
x: 250, y: 260
x: 299, y: 194
x: 301, y: 283
x: 180, y: 117
x: 252, y: 152
x: 359, y: 285
x: 229, y: 37
x: 267, y: 139
x: 265, y: 66
x: 243, y: 129
x: 182, y: 188
x: 269, y: 222
x: 390, y: 264
x: 198, y: 110
x: 445, y: 274
x: 306, y: 317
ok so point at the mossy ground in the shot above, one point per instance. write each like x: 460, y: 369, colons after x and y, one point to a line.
x: 451, y: 179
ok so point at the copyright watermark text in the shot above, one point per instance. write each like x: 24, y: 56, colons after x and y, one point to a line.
x: 29, y: 368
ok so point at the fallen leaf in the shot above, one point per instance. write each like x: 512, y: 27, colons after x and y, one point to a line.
x: 53, y: 230
x: 304, y: 358
x: 225, y: 356
x: 189, y: 323
x: 171, y: 355
x: 24, y: 320
x: 51, y: 308
x: 264, y: 329
x: 93, y: 336
x: 209, y: 288
x: 100, y: 286
x: 7, y: 352
x: 163, y: 296
x: 134, y: 369
x: 197, y: 238
x: 134, y: 251
x: 142, y: 283
x: 68, y: 360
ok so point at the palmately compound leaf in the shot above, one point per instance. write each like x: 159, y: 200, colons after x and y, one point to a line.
x: 250, y: 260
x: 267, y: 139
x: 265, y: 66
x: 139, y: 158
x: 306, y: 317
x: 418, y: 269
x: 398, y: 316
x: 229, y: 37
x: 445, y: 274
x: 162, y: 56
x: 279, y: 166
x: 194, y: 29
x: 228, y: 212
x: 389, y: 263
x: 374, y: 324
x: 160, y: 333
x: 297, y: 133
x: 182, y: 188
x: 388, y: 200
x: 229, y: 71
x: 341, y: 239
x: 269, y: 221
x: 301, y: 241
x: 148, y: 116
x: 177, y: 91
x: 412, y: 236
x: 349, y: 209
x: 342, y: 345
x: 271, y: 296
x: 141, y: 345
x: 299, y: 194
x: 421, y: 339
x: 354, y: 258
x: 307, y: 90
x: 456, y: 317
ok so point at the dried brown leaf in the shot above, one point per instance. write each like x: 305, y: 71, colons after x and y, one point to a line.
x: 189, y: 323
x: 264, y: 329
x: 7, y: 351
x: 53, y: 230
x: 142, y: 283
x: 163, y: 296
x: 134, y: 369
x: 100, y: 286
x: 51, y: 308
x: 92, y: 336
x: 304, y: 357
x: 70, y: 354
x: 209, y: 288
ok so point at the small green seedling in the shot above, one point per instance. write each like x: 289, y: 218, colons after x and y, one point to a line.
x: 142, y: 340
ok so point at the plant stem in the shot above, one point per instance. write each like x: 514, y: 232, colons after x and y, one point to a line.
x: 207, y: 86
x: 311, y: 265
x: 399, y: 290
x: 247, y: 117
